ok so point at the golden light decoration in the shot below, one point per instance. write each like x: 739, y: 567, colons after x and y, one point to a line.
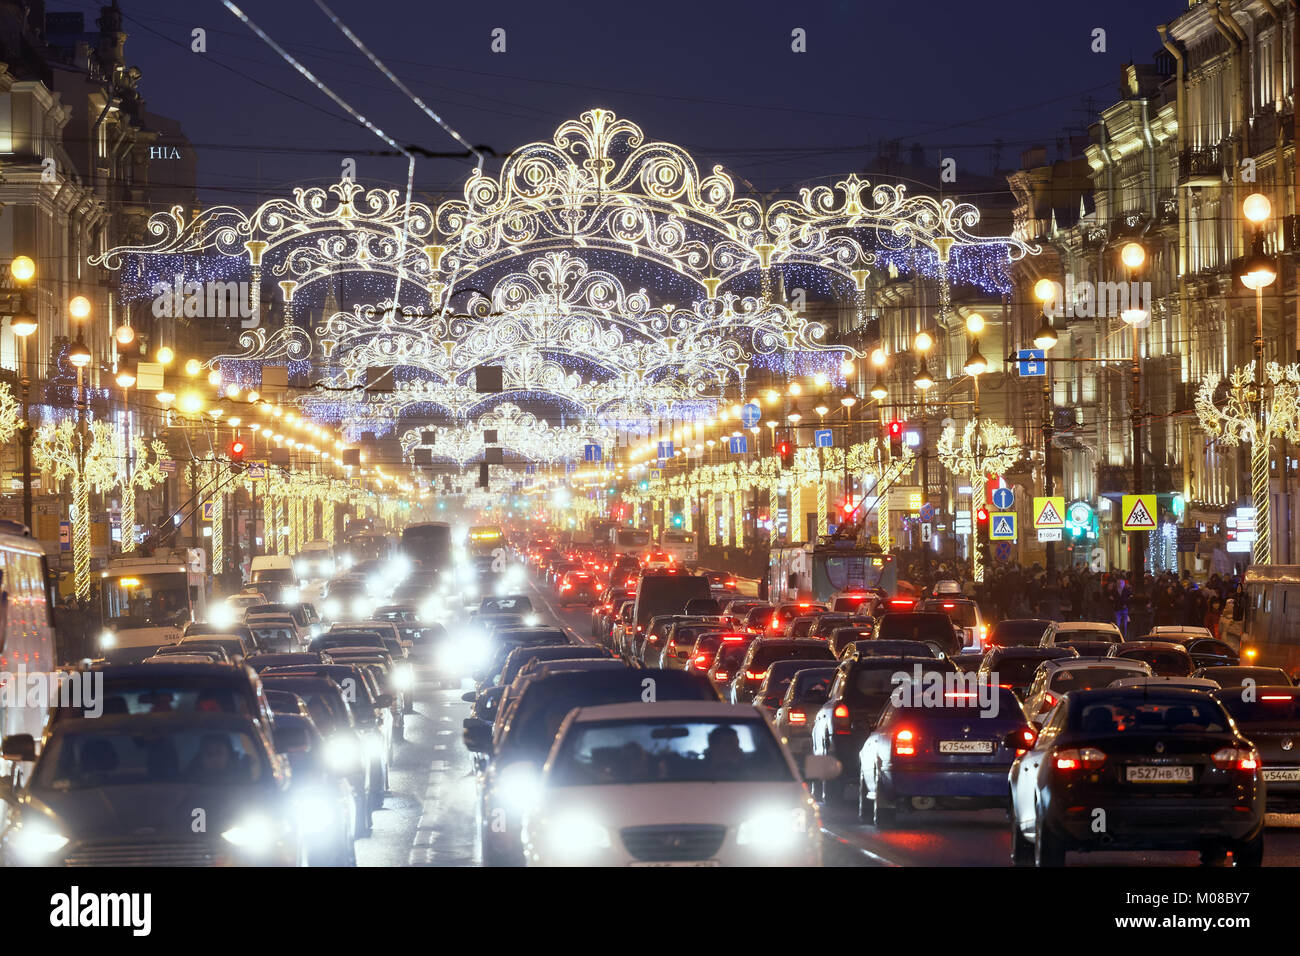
x: 22, y: 268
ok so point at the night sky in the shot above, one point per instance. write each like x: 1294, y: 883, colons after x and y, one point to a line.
x: 716, y: 77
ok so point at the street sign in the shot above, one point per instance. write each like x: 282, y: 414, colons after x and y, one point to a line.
x: 257, y: 470
x: 925, y: 532
x: 665, y: 450
x: 739, y: 444
x: 1139, y: 512
x: 1049, y: 534
x: 1002, y: 526
x: 823, y: 438
x: 591, y: 453
x: 1002, y: 551
x: 1032, y: 363
x: 750, y: 414
x: 1238, y: 546
x: 1004, y: 499
x: 1049, y: 513
x: 168, y: 465
x: 1188, y: 538
x: 927, y: 512
x: 207, y: 511
x: 906, y: 498
x: 65, y: 535
x: 655, y: 474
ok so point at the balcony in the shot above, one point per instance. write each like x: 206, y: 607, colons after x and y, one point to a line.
x: 1201, y: 167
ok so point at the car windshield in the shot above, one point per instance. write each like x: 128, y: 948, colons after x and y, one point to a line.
x: 1016, y: 670
x: 145, y: 600
x: 162, y: 697
x: 915, y: 627
x: 1265, y: 707
x: 83, y: 760
x: 1086, y: 678
x: 669, y: 751
x: 1182, y: 715
x: 1017, y: 633
x: 1086, y: 635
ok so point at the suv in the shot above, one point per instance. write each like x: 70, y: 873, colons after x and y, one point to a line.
x: 965, y: 616
x: 936, y: 630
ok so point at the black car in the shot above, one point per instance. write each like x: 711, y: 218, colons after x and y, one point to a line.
x: 155, y: 688
x: 842, y: 637
x: 1269, y: 716
x: 520, y: 657
x: 520, y: 744
x: 825, y: 625
x: 870, y: 648
x: 862, y: 688
x: 260, y: 662
x: 122, y: 790
x: 1018, y: 632
x: 1014, y: 667
x: 1166, y: 769
x: 932, y: 628
x: 766, y: 651
x: 1167, y: 659
x: 1238, y: 675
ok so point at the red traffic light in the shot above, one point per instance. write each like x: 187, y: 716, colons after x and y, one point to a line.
x: 237, y: 449
x: 982, y: 514
x: 896, y: 429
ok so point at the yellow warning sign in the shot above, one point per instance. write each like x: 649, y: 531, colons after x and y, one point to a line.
x: 1049, y: 512
x: 1139, y: 512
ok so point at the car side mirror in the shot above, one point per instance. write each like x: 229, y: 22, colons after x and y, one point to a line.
x: 469, y: 697
x: 477, y: 736
x: 20, y: 748
x: 821, y: 767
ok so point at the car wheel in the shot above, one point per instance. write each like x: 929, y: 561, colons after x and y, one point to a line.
x: 1049, y: 849
x: 1249, y: 852
x: 866, y: 806
x: 1022, y: 851
x: 883, y: 816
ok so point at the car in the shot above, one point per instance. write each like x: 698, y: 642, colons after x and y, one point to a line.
x: 1155, y: 680
x: 260, y: 662
x: 859, y: 693
x: 727, y: 660
x: 1055, y: 678
x: 800, y: 626
x: 1168, y: 767
x: 321, y: 795
x: 680, y: 642
x: 734, y: 611
x: 667, y: 782
x: 927, y: 627
x: 1087, y: 648
x: 121, y: 790
x: 951, y: 752
x: 804, y: 694
x: 1181, y: 633
x: 701, y: 655
x: 825, y: 625
x: 645, y: 646
x: 622, y: 628
x: 518, y: 740
x: 1014, y: 668
x: 578, y: 587
x: 758, y: 617
x: 485, y: 704
x: 506, y: 604
x: 1019, y: 632
x: 1237, y: 675
x: 505, y: 641
x: 663, y: 592
x: 721, y: 582
x: 387, y: 676
x: 855, y: 601
x: 272, y: 635
x: 964, y: 614
x: 771, y: 692
x: 707, y: 607
x: 603, y: 613
x: 1072, y: 632
x: 1166, y: 659
x: 214, y: 653
x: 764, y: 652
x: 785, y: 613
x: 870, y: 648
x: 1269, y: 715
x: 842, y: 637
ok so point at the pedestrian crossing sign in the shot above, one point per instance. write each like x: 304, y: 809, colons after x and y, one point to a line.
x: 1139, y: 512
x: 1049, y: 512
x: 1002, y: 526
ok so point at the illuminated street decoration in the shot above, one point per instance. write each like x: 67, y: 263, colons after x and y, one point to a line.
x: 87, y: 459
x: 983, y: 448
x: 1239, y: 419
x: 139, y: 470
x: 517, y: 431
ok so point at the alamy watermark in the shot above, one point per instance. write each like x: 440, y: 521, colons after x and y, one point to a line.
x: 923, y: 688
x: 1098, y: 300
x: 206, y: 300
x: 82, y: 690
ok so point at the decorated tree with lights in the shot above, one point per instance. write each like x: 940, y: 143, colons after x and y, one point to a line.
x: 11, y: 414
x: 87, y: 459
x: 1246, y: 416
x: 983, y: 448
x: 141, y: 469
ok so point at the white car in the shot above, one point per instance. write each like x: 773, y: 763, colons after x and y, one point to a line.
x: 698, y: 783
x: 1083, y: 631
x: 1178, y: 633
x: 1054, y: 679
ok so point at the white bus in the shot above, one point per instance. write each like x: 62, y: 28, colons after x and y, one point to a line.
x: 628, y: 541
x: 27, y: 640
x: 681, y: 545
x: 146, y: 602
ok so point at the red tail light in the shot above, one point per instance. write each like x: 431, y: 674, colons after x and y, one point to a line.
x: 1083, y: 758
x: 1049, y: 699
x: 797, y: 717
x: 672, y: 647
x: 905, y: 743
x: 1236, y: 758
x: 840, y: 721
x: 702, y: 661
x: 721, y: 675
x: 755, y: 675
x: 902, y: 603
x: 1027, y: 739
x: 566, y: 587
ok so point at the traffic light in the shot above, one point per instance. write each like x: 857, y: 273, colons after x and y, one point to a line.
x: 982, y: 535
x: 785, y: 448
x: 679, y: 521
x: 896, y: 437
x: 235, y: 452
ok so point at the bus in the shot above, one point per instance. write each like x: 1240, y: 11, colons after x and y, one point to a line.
x: 631, y: 541
x: 366, y: 547
x: 428, y: 543
x: 681, y: 545
x: 145, y: 602
x: 821, y: 571
x: 484, y: 540
x: 27, y: 638
x: 1271, y: 619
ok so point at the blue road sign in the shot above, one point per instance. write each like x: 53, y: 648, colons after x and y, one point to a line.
x: 655, y: 474
x: 1033, y: 362
x: 1004, y: 499
x: 750, y: 414
x: 1002, y: 526
x: 665, y: 450
x: 1002, y: 551
x: 591, y: 453
x: 926, y: 513
x: 739, y: 444
x: 570, y: 467
x: 823, y: 438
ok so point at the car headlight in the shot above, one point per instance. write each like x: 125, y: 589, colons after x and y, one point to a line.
x: 361, y: 607
x: 313, y: 809
x: 254, y: 832
x: 331, y: 608
x: 289, y: 595
x: 531, y: 620
x: 519, y: 786
x: 575, y: 835
x: 222, y: 615
x: 301, y: 569
x: 402, y: 678
x: 34, y: 842
x: 107, y: 638
x: 773, y: 829
x: 342, y: 754
x: 373, y: 745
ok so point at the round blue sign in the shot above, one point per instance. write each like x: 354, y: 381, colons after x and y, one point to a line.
x: 1002, y: 551
x: 927, y: 512
x: 750, y: 414
x: 1003, y: 499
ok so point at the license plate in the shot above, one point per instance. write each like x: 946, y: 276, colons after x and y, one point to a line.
x: 1142, y: 773
x: 677, y: 863
x: 965, y: 746
x: 1290, y: 774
